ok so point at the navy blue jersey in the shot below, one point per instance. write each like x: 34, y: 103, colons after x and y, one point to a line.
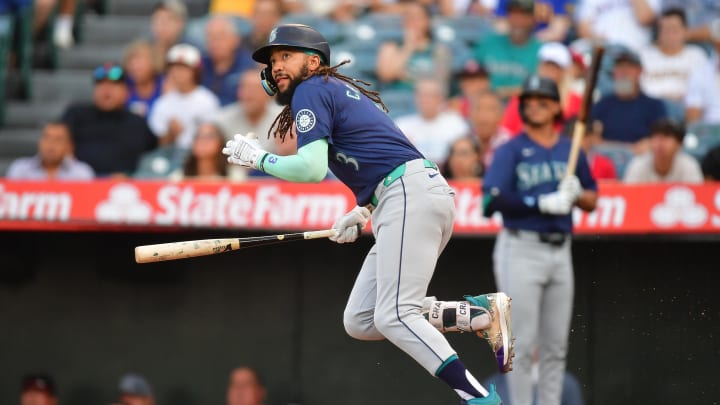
x: 528, y: 170
x: 364, y: 143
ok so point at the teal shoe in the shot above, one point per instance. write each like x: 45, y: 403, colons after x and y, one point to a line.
x: 499, y: 334
x: 492, y: 399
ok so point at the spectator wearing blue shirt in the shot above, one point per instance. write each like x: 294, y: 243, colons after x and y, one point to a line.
x: 224, y: 60
x: 552, y: 22
x: 145, y: 82
x: 628, y: 114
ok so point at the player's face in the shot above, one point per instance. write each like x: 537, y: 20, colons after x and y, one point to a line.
x: 289, y: 69
x: 540, y: 111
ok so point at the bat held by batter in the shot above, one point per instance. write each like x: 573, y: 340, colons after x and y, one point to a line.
x: 203, y: 247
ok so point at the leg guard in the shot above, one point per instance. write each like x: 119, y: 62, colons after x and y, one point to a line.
x: 455, y: 316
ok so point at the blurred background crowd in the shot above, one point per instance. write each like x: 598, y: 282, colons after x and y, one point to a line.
x: 245, y: 387
x: 98, y: 88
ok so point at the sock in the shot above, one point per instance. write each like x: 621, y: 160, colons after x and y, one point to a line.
x: 454, y: 373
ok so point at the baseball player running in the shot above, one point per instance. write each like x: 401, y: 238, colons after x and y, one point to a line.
x: 342, y: 125
x: 532, y: 257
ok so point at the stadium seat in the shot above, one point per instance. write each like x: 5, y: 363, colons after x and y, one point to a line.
x: 399, y: 101
x: 363, y: 59
x: 195, y: 28
x: 699, y: 139
x: 467, y: 29
x: 160, y: 163
x: 330, y: 29
x: 374, y: 29
x: 674, y: 110
x: 618, y: 153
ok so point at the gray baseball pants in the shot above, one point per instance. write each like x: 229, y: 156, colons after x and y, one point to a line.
x: 412, y: 224
x: 539, y: 278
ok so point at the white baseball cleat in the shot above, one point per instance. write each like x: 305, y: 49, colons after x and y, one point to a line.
x: 499, y: 333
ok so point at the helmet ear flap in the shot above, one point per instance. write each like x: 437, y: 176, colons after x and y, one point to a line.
x: 268, y: 82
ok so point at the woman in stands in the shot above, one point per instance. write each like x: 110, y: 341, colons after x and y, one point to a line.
x: 145, y: 82
x: 419, y: 54
x: 206, y: 161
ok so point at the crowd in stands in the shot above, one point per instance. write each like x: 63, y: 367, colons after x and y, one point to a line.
x: 451, y: 86
x: 245, y: 387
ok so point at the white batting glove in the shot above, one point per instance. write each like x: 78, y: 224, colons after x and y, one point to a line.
x: 571, y: 185
x: 350, y: 225
x: 556, y: 203
x: 244, y: 151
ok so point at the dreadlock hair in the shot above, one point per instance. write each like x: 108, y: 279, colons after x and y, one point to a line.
x: 283, y: 122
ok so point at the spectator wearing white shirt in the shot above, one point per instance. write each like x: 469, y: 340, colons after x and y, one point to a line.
x: 665, y: 162
x: 703, y: 19
x: 702, y: 100
x: 178, y: 113
x: 668, y: 64
x: 622, y: 22
x: 434, y: 127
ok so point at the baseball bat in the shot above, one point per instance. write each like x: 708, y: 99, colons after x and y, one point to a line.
x: 579, y: 128
x: 194, y: 248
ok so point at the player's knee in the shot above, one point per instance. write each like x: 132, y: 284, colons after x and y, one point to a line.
x: 359, y: 325
x: 385, y: 321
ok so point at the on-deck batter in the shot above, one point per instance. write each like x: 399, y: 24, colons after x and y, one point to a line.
x: 341, y: 125
x: 526, y: 182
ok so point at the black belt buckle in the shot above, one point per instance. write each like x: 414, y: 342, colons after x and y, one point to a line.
x: 555, y: 239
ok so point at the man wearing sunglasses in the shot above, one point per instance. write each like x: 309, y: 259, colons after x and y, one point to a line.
x: 526, y: 183
x: 107, y: 135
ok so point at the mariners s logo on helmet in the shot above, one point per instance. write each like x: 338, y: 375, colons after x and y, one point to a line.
x: 304, y: 120
x: 273, y: 35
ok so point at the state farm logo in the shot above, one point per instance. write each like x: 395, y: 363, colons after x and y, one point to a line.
x: 31, y: 205
x: 679, y: 208
x: 123, y: 205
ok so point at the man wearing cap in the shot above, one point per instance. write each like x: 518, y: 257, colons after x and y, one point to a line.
x: 106, y: 134
x: 134, y: 389
x: 552, y: 21
x: 472, y: 79
x: 38, y: 389
x: 532, y: 258
x: 177, y: 113
x: 665, y: 161
x: 511, y: 57
x: 343, y: 126
x: 627, y: 114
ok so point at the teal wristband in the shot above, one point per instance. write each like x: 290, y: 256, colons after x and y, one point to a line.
x: 261, y: 164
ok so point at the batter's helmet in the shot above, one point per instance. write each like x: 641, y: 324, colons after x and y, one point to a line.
x: 294, y: 36
x: 539, y: 87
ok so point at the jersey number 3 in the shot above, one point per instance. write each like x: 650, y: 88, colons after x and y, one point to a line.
x: 344, y: 159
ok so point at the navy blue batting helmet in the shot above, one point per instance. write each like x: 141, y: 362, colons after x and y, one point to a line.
x: 294, y: 36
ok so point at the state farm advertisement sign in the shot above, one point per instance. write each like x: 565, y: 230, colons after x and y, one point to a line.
x: 272, y: 204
